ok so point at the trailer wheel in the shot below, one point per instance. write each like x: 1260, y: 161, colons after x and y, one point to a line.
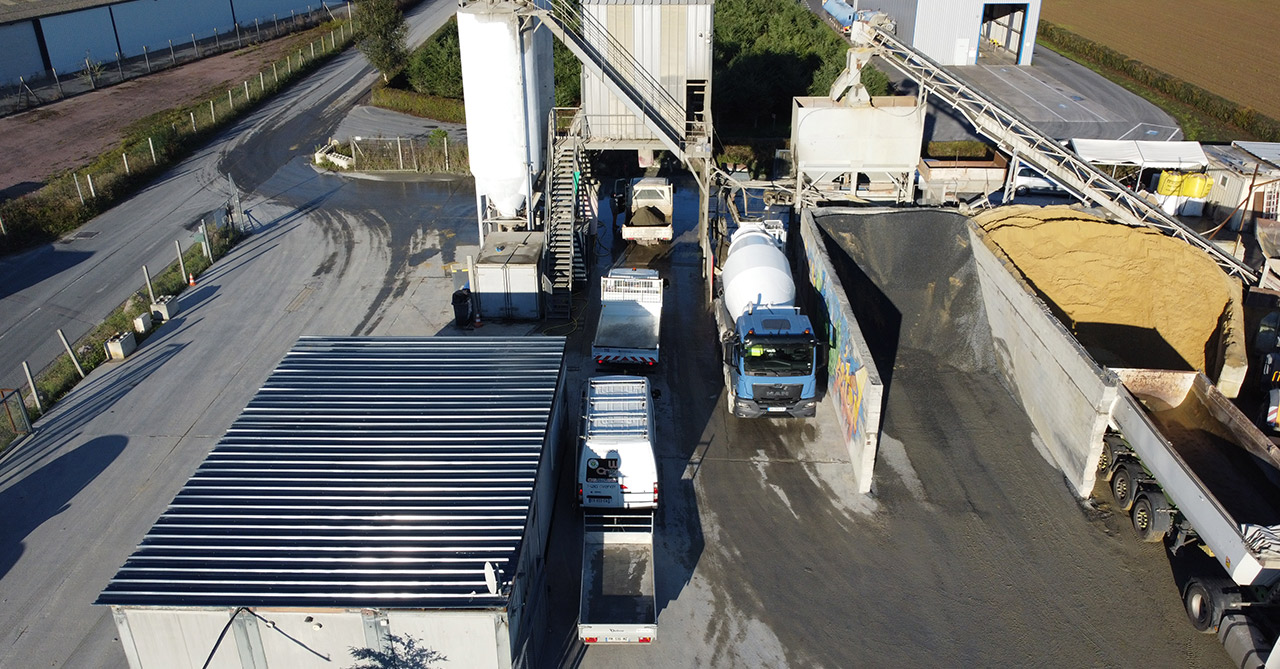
x: 1104, y: 461
x: 1204, y: 602
x: 1151, y: 517
x: 1122, y: 487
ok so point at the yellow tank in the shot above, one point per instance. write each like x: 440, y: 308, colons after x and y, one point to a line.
x: 1184, y: 185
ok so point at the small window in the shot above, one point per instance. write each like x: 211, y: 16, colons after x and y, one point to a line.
x: 1223, y: 181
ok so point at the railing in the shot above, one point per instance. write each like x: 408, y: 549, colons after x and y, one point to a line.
x: 617, y: 63
x: 1016, y: 134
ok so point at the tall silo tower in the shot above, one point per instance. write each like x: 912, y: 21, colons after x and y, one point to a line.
x: 509, y: 85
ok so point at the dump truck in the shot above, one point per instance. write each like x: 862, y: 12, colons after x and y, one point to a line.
x: 618, y: 492
x: 630, y: 318
x: 1194, y: 472
x: 767, y: 345
x: 649, y: 203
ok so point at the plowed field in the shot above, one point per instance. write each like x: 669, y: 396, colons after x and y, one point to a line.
x: 1229, y: 48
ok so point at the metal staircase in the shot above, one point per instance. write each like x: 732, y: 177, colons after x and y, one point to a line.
x: 562, y: 187
x: 626, y: 77
x: 1019, y: 137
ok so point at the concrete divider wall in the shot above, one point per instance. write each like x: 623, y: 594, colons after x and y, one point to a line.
x: 1067, y: 396
x: 854, y: 384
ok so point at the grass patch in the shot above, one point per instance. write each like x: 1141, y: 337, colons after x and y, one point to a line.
x: 967, y: 149
x: 388, y: 96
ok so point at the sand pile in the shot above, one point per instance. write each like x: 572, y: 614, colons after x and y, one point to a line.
x: 1132, y: 296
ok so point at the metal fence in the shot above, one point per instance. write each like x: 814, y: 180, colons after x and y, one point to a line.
x: 14, y: 422
x: 434, y: 154
x: 98, y: 72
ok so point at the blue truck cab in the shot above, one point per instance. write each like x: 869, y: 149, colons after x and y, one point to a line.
x: 772, y: 362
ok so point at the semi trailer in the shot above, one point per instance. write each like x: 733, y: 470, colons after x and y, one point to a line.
x: 768, y: 347
x: 1193, y: 471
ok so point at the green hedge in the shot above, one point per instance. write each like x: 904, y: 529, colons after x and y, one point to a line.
x: 1210, y: 104
x: 449, y: 110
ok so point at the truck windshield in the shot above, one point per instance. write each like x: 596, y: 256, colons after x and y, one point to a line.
x: 777, y: 359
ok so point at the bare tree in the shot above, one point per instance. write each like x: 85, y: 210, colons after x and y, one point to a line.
x: 404, y: 653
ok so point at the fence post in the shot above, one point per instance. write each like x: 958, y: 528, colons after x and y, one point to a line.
x: 153, y: 150
x: 275, y: 26
x: 78, y: 191
x: 217, y: 45
x: 446, y: 153
x: 89, y: 178
x: 119, y: 67
x: 151, y: 291
x: 208, y: 245
x: 230, y: 102
x: 147, y: 58
x: 126, y: 163
x: 257, y: 31
x: 275, y: 74
x: 313, y: 50
x: 2, y: 230
x: 246, y: 91
x: 212, y: 114
x: 89, y: 70
x: 57, y: 81
x: 182, y: 266
x: 239, y: 38
x: 400, y: 152
x: 35, y: 394
x: 413, y: 152
x: 173, y: 59
x: 193, y: 120
x: 194, y: 45
x: 262, y: 81
x: 71, y: 353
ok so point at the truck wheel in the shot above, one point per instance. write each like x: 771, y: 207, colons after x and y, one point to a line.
x: 1122, y: 487
x: 1204, y: 603
x: 1104, y: 461
x: 1151, y: 517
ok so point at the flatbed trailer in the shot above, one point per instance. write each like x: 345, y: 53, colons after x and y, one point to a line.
x: 627, y: 333
x: 617, y: 604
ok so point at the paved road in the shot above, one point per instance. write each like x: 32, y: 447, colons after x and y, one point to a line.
x: 82, y: 491
x: 74, y: 283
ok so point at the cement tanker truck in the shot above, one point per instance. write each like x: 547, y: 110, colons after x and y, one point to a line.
x: 768, y: 346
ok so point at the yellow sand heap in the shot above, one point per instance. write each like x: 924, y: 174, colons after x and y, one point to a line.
x: 1132, y: 296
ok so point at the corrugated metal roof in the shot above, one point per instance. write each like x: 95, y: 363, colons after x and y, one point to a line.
x: 1266, y: 151
x: 367, y: 472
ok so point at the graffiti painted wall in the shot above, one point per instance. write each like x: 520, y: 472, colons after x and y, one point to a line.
x: 853, y: 384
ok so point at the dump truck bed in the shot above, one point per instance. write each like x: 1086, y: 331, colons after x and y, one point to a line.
x: 1212, y: 462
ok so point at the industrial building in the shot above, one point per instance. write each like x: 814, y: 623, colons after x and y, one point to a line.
x: 966, y: 32
x: 61, y: 35
x: 1246, y: 182
x: 373, y: 488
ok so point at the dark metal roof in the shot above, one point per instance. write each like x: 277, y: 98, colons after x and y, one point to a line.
x: 367, y: 472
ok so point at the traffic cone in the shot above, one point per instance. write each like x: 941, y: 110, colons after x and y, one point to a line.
x: 477, y: 323
x: 191, y: 279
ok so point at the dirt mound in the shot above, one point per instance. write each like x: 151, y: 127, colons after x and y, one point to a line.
x: 1132, y: 296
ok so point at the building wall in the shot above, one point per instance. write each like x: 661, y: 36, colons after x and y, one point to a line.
x: 904, y: 13
x: 73, y: 36
x: 671, y: 41
x: 22, y: 52
x: 948, y: 30
x: 477, y: 639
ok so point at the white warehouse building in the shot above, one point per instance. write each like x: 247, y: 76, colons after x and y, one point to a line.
x: 959, y: 32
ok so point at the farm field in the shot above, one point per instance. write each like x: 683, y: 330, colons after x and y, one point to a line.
x: 1228, y: 48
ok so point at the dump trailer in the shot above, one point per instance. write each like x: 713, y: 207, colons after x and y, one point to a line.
x: 650, y: 206
x: 617, y: 604
x: 1193, y: 471
x: 767, y: 345
x: 630, y: 318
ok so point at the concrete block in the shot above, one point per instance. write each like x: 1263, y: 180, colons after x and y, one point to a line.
x: 121, y: 345
x: 142, y: 324
x: 165, y: 308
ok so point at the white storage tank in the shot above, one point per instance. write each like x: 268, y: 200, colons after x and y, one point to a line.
x: 509, y: 87
x: 756, y: 273
x: 508, y: 277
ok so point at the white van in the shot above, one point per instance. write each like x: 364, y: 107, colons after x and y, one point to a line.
x: 1027, y: 180
x: 616, y: 465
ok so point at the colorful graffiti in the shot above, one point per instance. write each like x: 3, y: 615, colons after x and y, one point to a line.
x: 847, y: 375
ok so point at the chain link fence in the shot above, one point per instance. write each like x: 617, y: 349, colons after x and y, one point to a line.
x: 98, y: 71
x: 14, y: 421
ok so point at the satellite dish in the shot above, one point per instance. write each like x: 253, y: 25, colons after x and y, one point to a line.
x: 490, y: 579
